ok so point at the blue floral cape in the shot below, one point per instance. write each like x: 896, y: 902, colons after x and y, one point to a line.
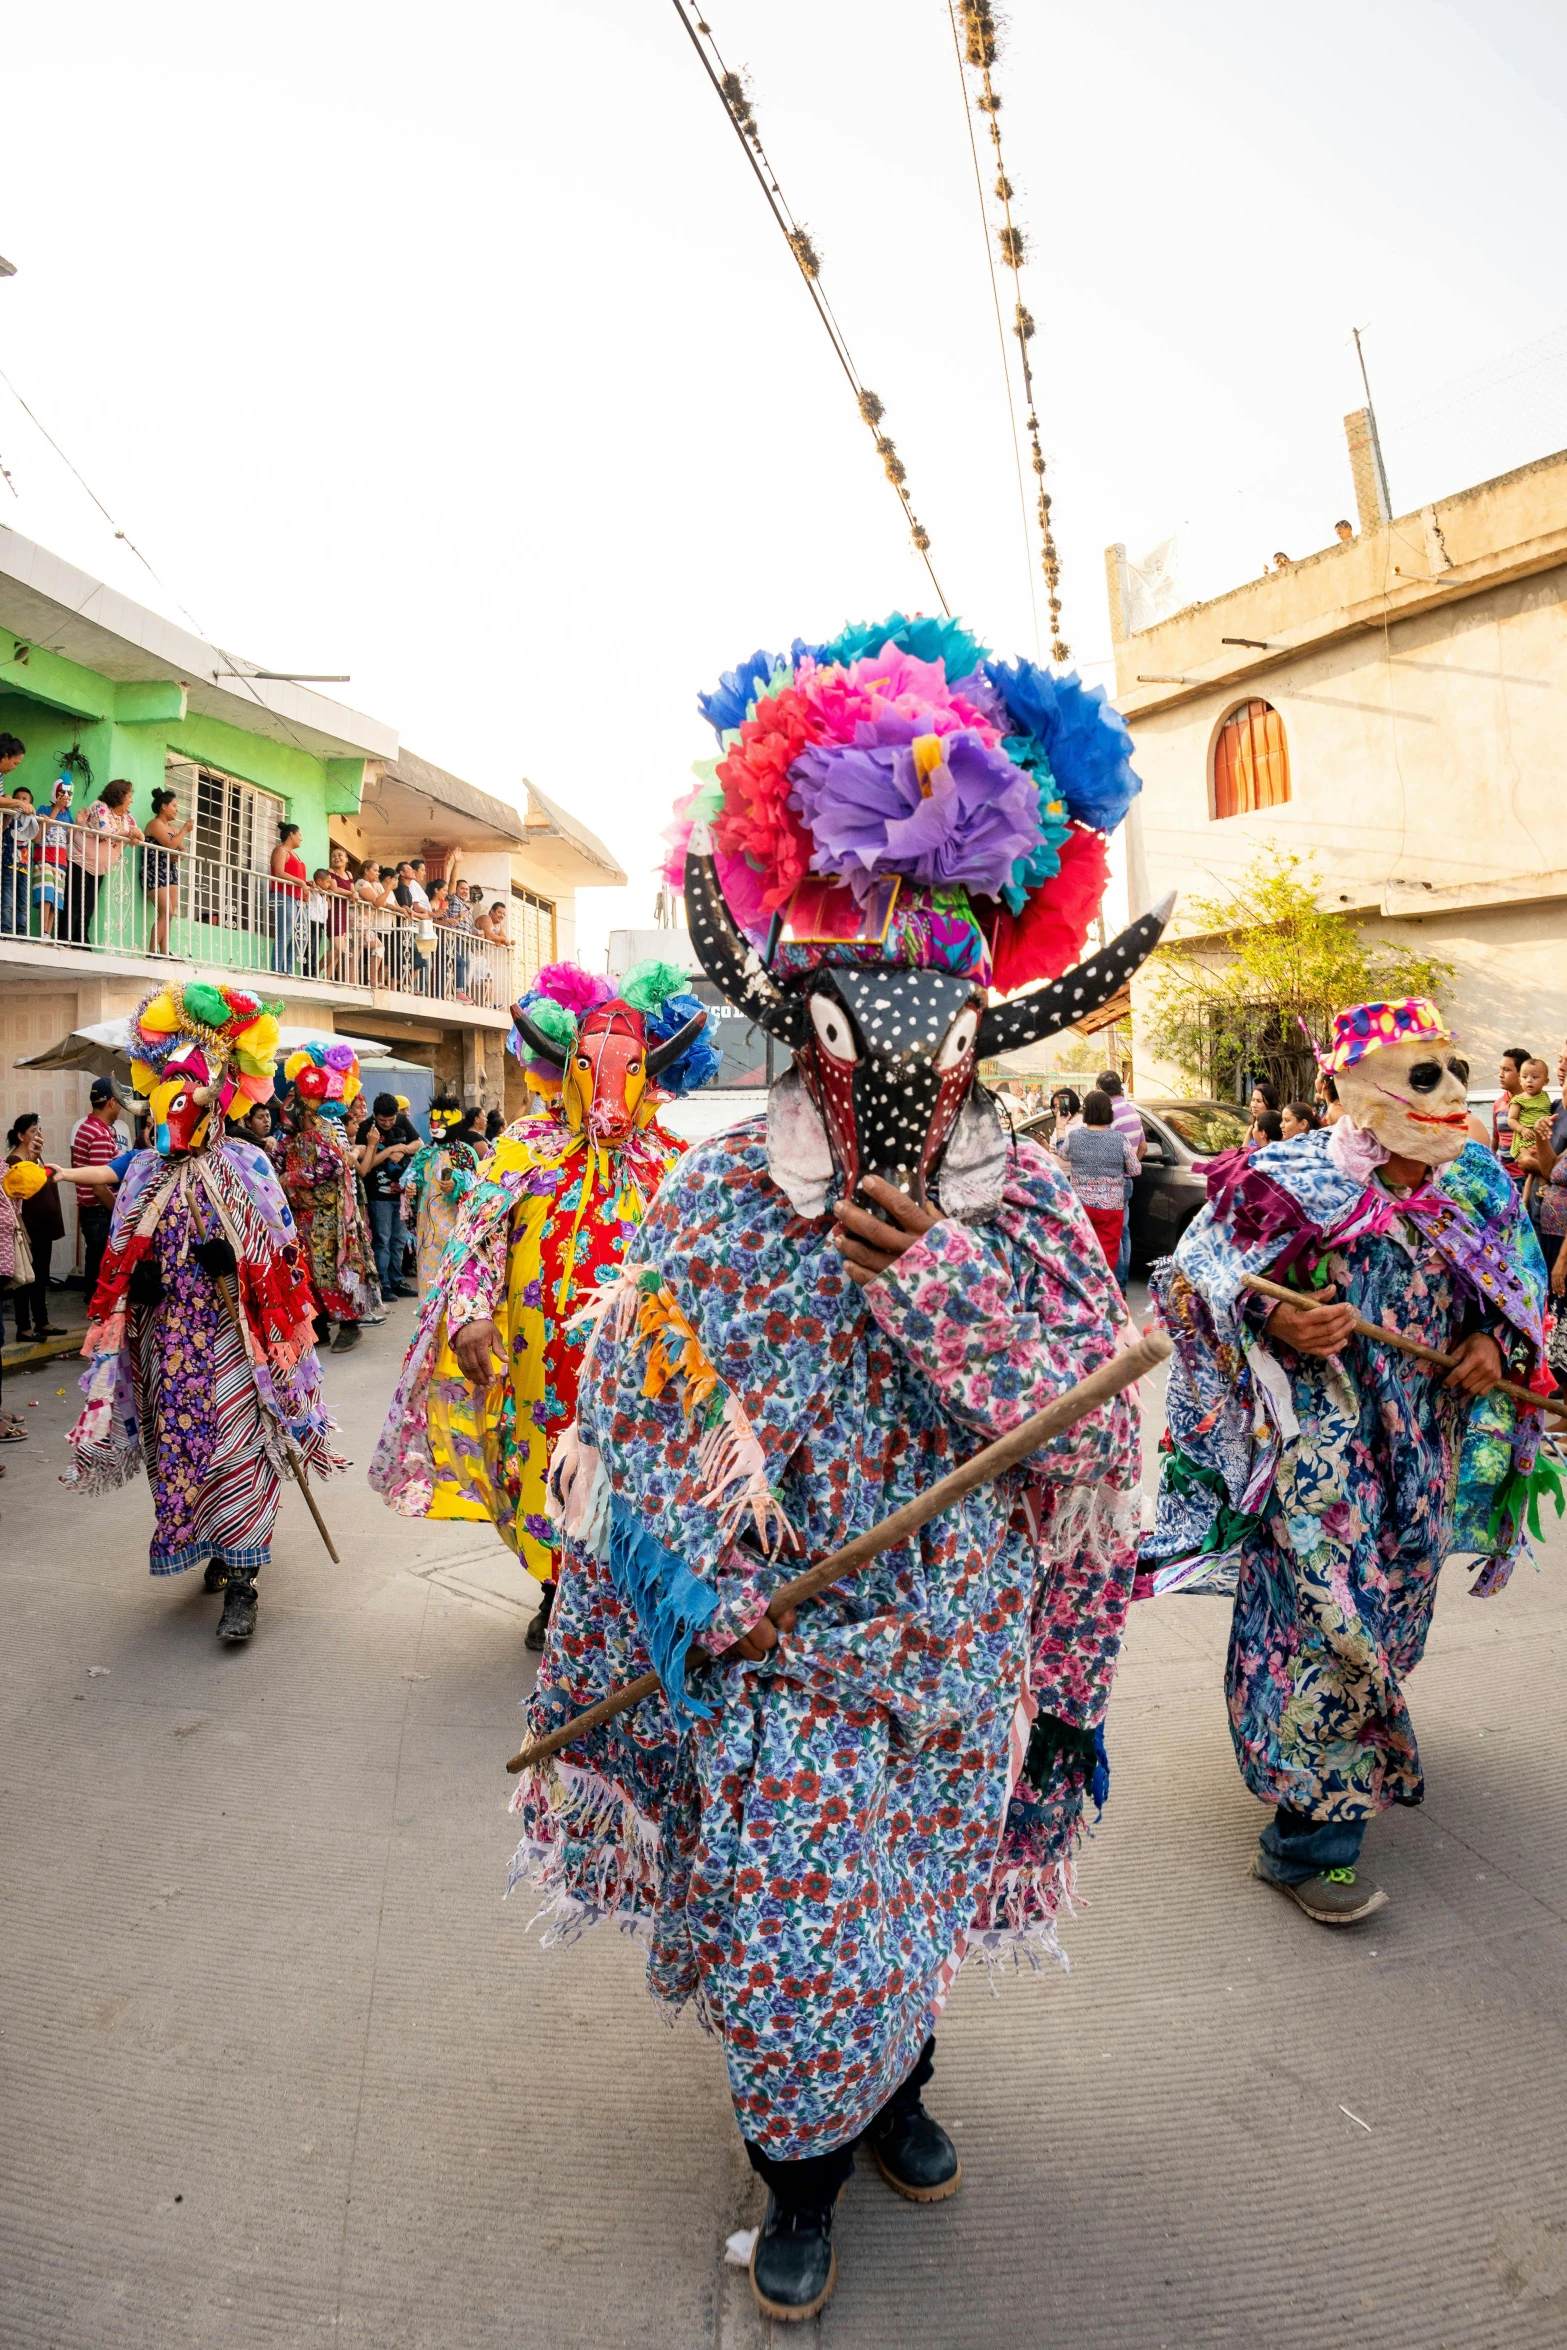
x: 1284, y: 1211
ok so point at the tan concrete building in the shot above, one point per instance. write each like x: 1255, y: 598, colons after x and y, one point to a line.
x: 1395, y: 706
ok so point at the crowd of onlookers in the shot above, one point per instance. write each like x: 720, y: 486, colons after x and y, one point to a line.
x: 364, y: 924
x: 374, y: 925
x: 32, y: 1218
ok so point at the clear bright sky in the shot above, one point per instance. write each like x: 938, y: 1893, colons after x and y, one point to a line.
x: 456, y: 350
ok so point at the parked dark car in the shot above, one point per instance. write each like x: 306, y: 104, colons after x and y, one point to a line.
x: 1169, y: 1191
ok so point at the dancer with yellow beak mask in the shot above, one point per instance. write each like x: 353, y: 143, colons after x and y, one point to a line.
x: 490, y: 1380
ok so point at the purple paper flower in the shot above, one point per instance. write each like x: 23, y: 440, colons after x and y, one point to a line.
x: 338, y: 1056
x: 955, y: 811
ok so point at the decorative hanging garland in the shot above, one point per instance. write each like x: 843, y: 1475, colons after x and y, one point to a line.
x: 980, y: 42
x: 738, y: 105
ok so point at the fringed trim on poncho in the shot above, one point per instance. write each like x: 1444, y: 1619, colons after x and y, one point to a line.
x: 640, y: 1309
x: 587, y: 1847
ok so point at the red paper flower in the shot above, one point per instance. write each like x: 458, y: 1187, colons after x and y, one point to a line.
x: 757, y: 821
x: 1049, y: 935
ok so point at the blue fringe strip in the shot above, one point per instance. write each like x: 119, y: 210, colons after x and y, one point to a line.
x: 670, y: 1603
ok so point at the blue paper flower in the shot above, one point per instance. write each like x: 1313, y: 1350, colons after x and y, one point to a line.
x: 1084, y: 738
x: 1043, y: 863
x: 735, y: 691
x: 925, y: 638
x: 700, y: 1062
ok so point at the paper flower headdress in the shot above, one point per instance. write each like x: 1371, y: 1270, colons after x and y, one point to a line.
x: 562, y: 996
x: 902, y: 787
x: 325, y: 1077
x: 215, y: 1035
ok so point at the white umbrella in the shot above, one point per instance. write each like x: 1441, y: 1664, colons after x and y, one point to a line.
x: 104, y: 1049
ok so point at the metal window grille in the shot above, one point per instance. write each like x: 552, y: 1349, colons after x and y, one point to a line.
x: 232, y: 840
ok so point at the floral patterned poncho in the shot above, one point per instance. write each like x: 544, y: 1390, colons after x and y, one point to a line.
x: 437, y: 1180
x: 206, y: 1404
x: 1325, y: 1494
x: 319, y: 1173
x: 816, y: 1848
x: 544, y: 1226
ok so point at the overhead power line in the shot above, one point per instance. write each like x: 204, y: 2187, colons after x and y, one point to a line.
x: 736, y: 102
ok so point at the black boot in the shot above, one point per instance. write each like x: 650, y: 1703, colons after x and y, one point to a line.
x: 915, y: 2155
x: 238, y: 1620
x: 215, y: 1577
x: 534, y: 1636
x: 347, y: 1336
x: 793, y: 2265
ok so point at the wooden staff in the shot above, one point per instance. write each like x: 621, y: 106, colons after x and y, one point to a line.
x: 996, y: 1459
x: 295, y: 1463
x: 1408, y: 1346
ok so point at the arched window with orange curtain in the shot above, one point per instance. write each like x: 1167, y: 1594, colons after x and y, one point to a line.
x: 1251, y: 761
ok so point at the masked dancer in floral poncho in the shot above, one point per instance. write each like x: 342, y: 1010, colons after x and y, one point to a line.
x: 319, y: 1172
x: 200, y: 1337
x: 544, y: 1227
x: 1322, y: 1478
x: 436, y: 1181
x: 828, y: 1308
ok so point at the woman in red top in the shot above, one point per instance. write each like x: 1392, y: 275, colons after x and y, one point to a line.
x: 286, y: 893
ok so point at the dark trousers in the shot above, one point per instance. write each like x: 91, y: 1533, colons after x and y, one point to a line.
x: 813, y: 2183
x: 94, y: 1224
x: 386, y: 1230
x: 81, y: 897
x: 1295, y: 1846
x: 32, y: 1300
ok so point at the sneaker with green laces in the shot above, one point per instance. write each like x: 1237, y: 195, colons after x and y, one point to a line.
x: 1338, y: 1897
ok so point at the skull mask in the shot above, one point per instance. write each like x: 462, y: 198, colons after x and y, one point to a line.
x: 886, y: 1053
x: 1412, y: 1097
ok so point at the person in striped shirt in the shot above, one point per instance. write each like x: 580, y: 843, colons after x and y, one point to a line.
x: 93, y: 1144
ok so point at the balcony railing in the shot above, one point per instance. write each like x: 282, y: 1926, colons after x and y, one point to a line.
x: 161, y: 905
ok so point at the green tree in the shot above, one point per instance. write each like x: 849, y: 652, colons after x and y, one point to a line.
x: 1258, y: 960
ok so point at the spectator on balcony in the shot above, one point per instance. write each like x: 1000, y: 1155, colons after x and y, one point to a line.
x: 98, y: 835
x: 286, y: 896
x: 374, y: 891
x: 455, y: 918
x: 16, y: 811
x: 339, y: 887
x: 160, y: 865
x: 318, y: 910
x: 42, y: 840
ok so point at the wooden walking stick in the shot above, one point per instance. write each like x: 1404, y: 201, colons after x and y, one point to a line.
x: 1144, y: 1355
x: 221, y: 1284
x: 1407, y: 1346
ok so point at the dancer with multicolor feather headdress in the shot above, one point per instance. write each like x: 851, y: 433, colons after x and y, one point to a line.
x: 200, y: 1337
x: 319, y: 1170
x: 826, y: 1308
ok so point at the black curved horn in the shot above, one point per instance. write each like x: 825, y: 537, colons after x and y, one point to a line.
x: 734, y: 966
x: 661, y: 1055
x: 1077, y: 993
x: 544, y: 1046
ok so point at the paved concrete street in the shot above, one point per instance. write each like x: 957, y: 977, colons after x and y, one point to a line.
x: 280, y: 2068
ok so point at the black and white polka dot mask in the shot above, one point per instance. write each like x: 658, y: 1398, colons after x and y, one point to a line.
x: 888, y: 1061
